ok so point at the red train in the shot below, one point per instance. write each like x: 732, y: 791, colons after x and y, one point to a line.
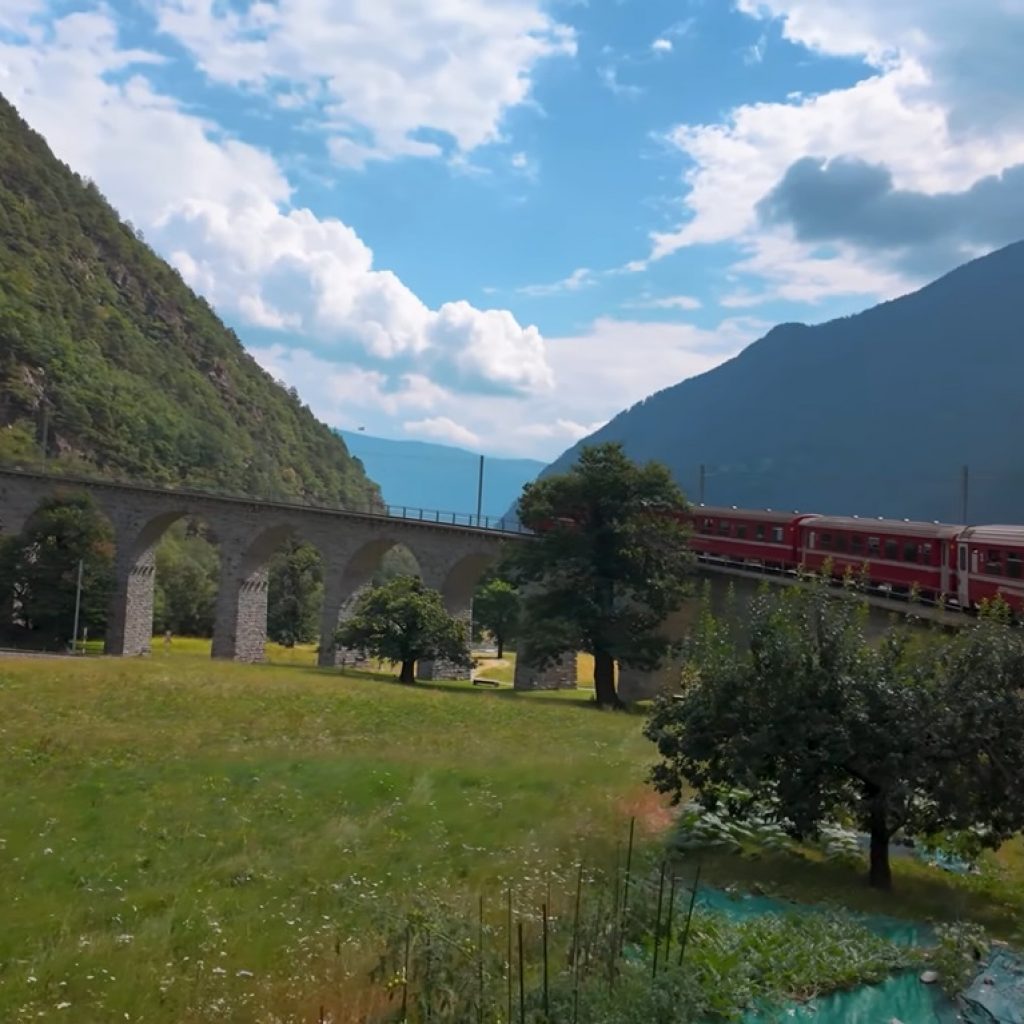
x: 961, y: 565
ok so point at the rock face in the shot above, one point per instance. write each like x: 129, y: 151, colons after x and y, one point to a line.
x: 873, y: 414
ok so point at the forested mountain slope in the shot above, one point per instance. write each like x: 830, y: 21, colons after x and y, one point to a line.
x: 110, y: 358
x: 873, y: 414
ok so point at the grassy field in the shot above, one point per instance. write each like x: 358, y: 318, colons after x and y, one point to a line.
x: 166, y: 824
x: 183, y: 841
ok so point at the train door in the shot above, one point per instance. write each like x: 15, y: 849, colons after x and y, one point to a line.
x: 963, y: 577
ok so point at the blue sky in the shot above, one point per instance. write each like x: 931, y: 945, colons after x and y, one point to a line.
x: 499, y: 222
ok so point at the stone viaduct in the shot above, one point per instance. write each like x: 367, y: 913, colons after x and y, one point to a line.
x: 451, y: 556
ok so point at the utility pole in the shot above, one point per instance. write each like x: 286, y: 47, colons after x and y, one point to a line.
x: 964, y: 481
x: 700, y: 489
x: 78, y: 605
x: 480, y: 492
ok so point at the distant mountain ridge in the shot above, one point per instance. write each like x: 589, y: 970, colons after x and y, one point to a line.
x: 110, y: 363
x: 872, y: 414
x: 421, y: 474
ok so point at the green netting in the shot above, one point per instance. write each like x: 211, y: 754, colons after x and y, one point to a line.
x: 995, y: 997
x: 902, y: 998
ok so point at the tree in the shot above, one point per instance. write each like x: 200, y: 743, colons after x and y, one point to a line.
x: 39, y: 571
x: 187, y: 566
x: 404, y: 621
x: 295, y: 593
x: 919, y: 735
x: 608, y: 564
x: 496, y: 607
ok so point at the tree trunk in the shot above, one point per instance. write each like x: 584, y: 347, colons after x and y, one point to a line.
x: 880, y: 874
x: 501, y: 647
x: 408, y: 674
x: 604, y: 681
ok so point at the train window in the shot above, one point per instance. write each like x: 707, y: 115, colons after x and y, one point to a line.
x: 1013, y: 565
x: 707, y: 526
x: 874, y: 547
x: 840, y: 542
x: 759, y: 531
x: 857, y: 544
x: 892, y: 549
x: 826, y: 542
x: 724, y: 528
x: 963, y: 559
x: 910, y: 552
x: 926, y: 554
x: 777, y: 534
x: 994, y: 562
x: 741, y: 531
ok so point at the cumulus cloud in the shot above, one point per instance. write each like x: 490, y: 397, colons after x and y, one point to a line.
x: 597, y: 373
x: 854, y: 201
x: 221, y: 210
x: 662, y: 45
x: 377, y: 74
x: 940, y: 111
x: 442, y: 428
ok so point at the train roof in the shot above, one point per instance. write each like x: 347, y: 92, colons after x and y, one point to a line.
x: 764, y: 515
x: 1013, y: 535
x: 890, y: 527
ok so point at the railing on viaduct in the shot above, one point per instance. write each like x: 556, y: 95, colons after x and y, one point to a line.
x: 373, y: 510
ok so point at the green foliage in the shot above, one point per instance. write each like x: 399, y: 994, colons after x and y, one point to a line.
x: 185, y: 595
x: 39, y: 573
x: 295, y: 593
x: 919, y: 737
x: 959, y: 948
x: 609, y: 563
x: 127, y: 373
x: 442, y: 962
x: 405, y: 621
x: 497, y: 607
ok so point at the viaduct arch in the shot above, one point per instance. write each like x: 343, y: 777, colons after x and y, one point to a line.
x: 451, y: 556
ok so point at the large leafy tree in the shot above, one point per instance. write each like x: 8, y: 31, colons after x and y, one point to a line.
x: 39, y: 572
x: 295, y: 593
x: 608, y: 564
x: 919, y: 735
x: 404, y: 621
x: 187, y: 566
x: 496, y: 607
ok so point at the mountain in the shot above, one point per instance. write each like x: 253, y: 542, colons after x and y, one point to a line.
x: 110, y: 361
x: 873, y: 414
x: 438, y: 476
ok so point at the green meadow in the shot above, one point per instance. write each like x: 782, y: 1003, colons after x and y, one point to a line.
x: 184, y: 841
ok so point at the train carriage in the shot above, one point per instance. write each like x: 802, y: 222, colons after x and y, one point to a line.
x: 990, y: 562
x: 746, y: 537
x: 893, y: 555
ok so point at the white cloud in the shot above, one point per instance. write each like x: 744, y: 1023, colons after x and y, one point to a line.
x: 662, y: 45
x: 17, y: 15
x: 941, y: 68
x: 582, y: 277
x: 610, y: 78
x: 609, y: 367
x: 443, y: 429
x: 685, y: 302
x: 378, y: 73
x: 220, y: 209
